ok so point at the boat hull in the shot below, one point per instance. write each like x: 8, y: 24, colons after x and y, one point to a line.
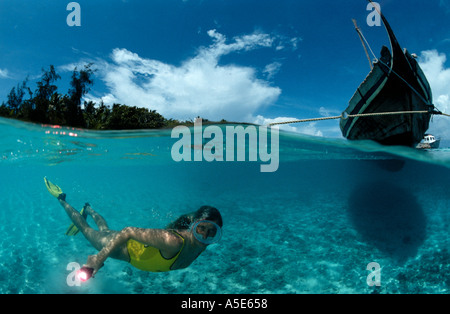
x: 433, y: 145
x: 382, y: 92
x: 429, y: 142
x: 395, y: 84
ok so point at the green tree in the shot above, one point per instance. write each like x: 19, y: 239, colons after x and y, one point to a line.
x: 80, y: 86
x: 4, y: 110
x: 16, y: 98
x: 41, y: 101
x: 57, y: 109
x: 150, y: 119
x: 95, y: 117
x: 102, y: 116
x: 125, y: 117
x: 46, y: 105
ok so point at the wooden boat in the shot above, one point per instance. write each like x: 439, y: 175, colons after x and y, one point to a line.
x: 396, y: 83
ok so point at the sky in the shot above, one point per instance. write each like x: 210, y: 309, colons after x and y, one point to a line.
x: 255, y: 61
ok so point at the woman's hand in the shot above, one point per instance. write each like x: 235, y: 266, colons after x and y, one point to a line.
x: 94, y: 262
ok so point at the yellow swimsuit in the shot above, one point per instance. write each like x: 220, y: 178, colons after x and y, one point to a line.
x: 149, y: 258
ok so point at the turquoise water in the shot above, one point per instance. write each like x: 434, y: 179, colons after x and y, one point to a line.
x: 313, y: 226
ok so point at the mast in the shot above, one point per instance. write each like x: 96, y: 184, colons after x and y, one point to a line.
x: 358, y: 30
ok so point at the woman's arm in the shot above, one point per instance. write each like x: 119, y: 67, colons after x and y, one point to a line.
x: 164, y: 240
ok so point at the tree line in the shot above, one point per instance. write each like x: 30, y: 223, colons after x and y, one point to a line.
x: 47, y: 106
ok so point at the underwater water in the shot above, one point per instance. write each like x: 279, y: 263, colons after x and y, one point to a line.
x: 312, y: 226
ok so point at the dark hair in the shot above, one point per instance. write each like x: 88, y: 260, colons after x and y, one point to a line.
x: 203, y: 213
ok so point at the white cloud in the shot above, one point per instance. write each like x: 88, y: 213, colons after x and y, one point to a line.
x: 272, y: 69
x: 295, y: 41
x: 305, y: 128
x: 325, y: 112
x: 433, y: 64
x: 4, y: 73
x: 200, y: 86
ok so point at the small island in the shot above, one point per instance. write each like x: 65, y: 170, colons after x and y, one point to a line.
x: 46, y: 105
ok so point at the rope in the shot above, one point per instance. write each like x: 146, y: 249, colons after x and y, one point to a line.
x: 305, y: 120
x: 344, y: 116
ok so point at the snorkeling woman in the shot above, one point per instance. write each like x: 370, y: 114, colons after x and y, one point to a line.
x: 154, y: 250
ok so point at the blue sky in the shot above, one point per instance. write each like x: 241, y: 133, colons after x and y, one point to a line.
x: 242, y: 60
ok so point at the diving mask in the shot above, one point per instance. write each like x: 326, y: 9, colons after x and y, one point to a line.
x: 206, y: 231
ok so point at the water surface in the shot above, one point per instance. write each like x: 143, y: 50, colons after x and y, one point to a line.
x: 331, y: 208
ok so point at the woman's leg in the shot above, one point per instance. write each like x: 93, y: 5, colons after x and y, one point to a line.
x: 98, y: 239
x: 98, y: 219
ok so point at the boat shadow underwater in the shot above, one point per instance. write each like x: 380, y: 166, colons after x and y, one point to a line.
x: 389, y: 218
